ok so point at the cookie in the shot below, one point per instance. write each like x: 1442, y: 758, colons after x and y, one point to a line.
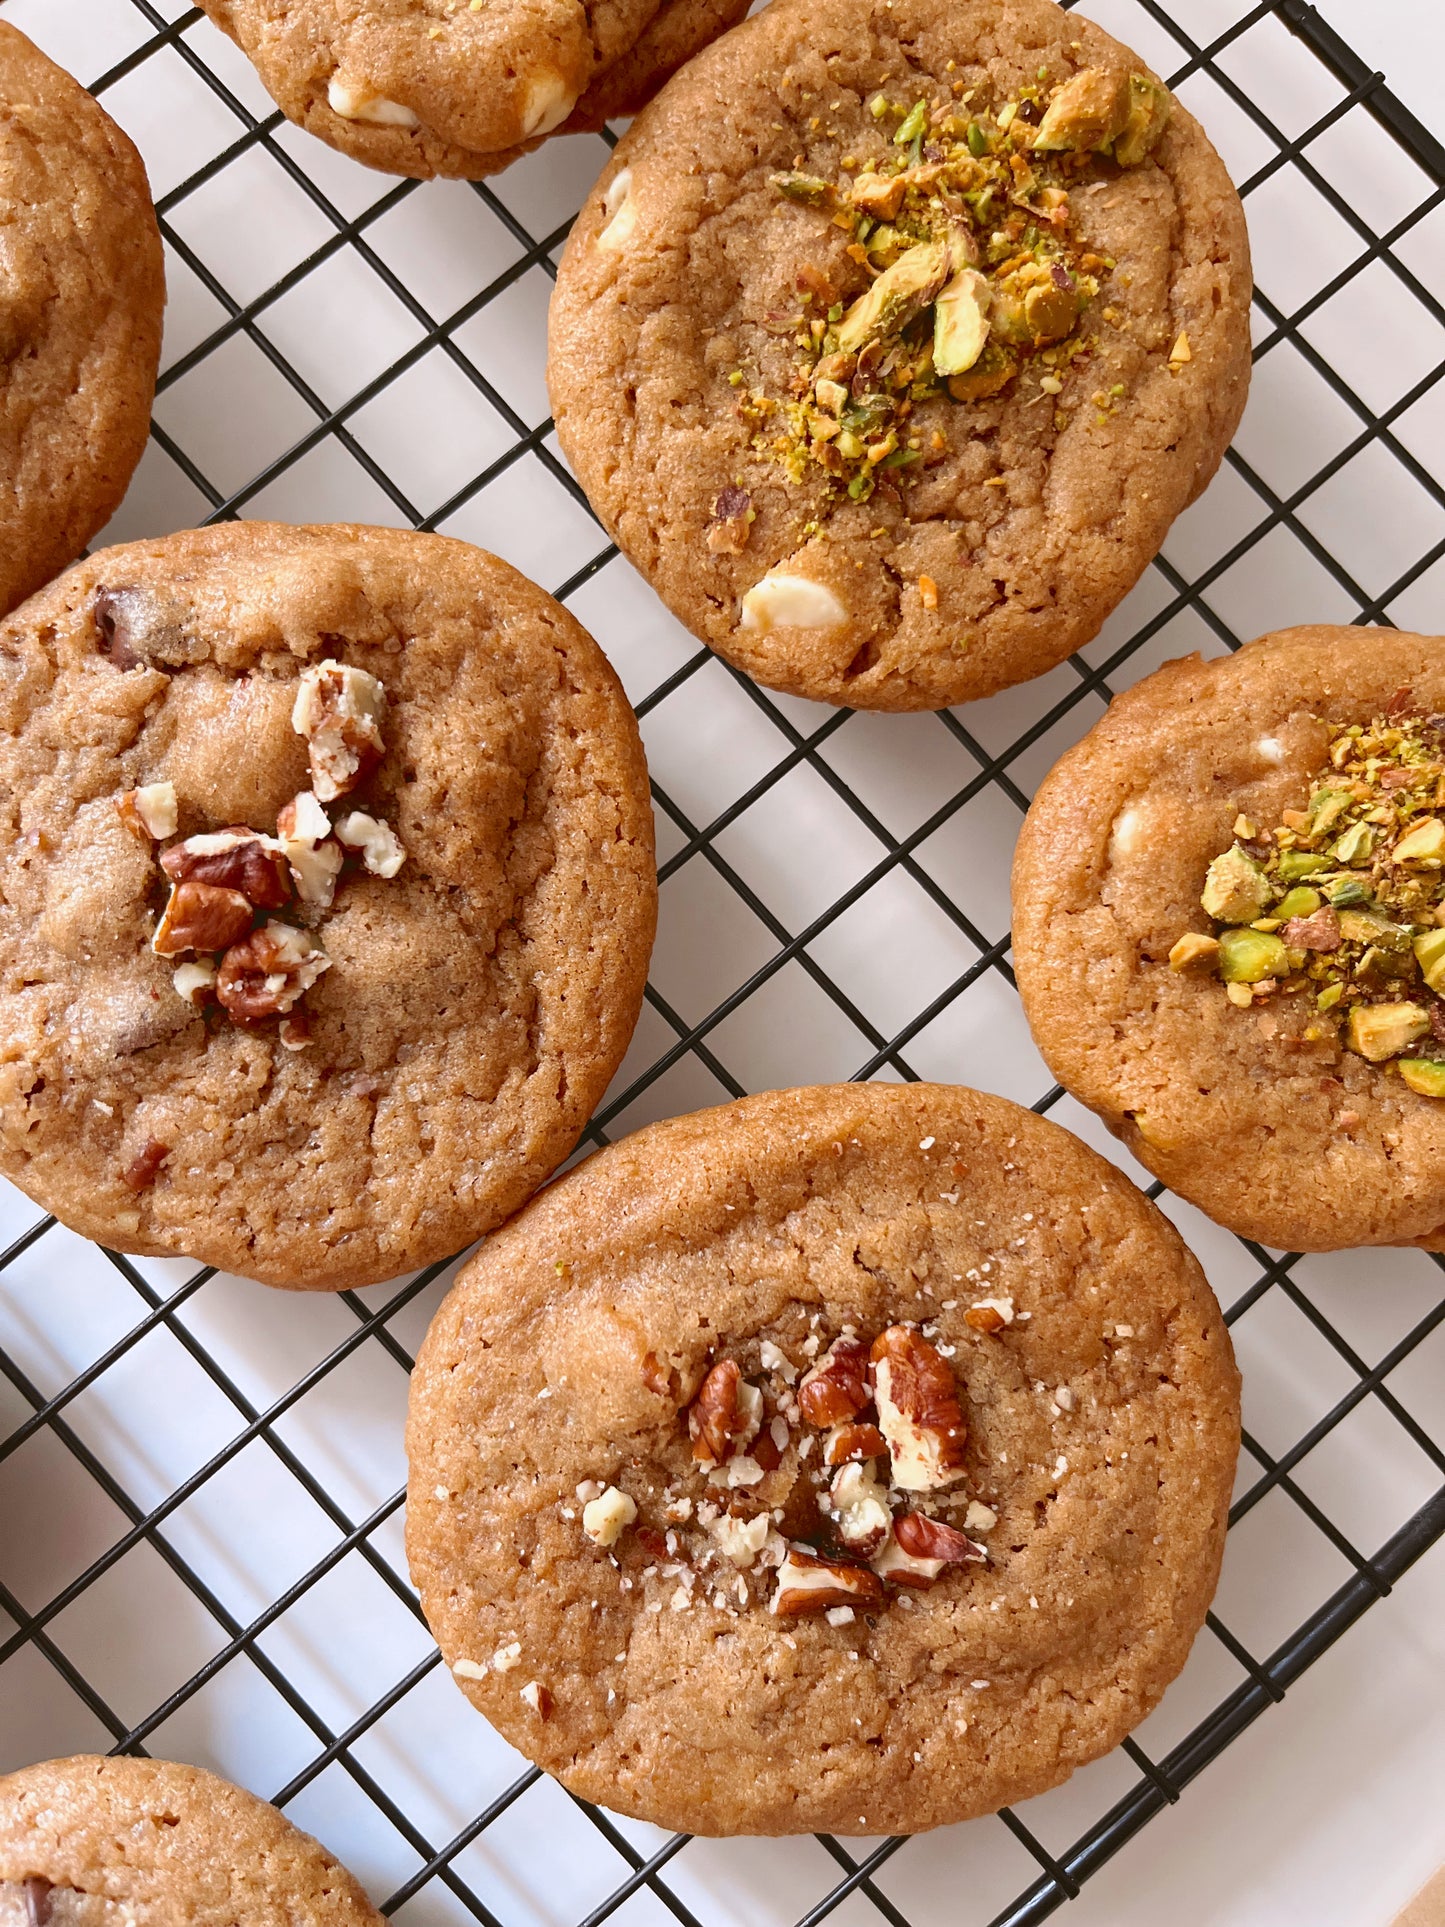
x: 677, y: 31
x: 92, y: 1842
x: 1227, y: 911
x: 328, y: 892
x: 82, y: 289
x: 423, y: 87
x: 885, y: 374
x: 852, y: 1459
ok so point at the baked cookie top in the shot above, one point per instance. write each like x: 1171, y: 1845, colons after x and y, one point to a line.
x: 92, y: 1842
x: 895, y: 335
x: 426, y: 87
x: 1227, y: 911
x: 328, y: 892
x: 82, y: 289
x: 854, y: 1458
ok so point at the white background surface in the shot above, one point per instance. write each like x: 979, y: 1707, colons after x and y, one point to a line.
x: 1332, y: 1809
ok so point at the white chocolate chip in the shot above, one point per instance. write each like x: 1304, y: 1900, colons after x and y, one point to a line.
x: 546, y: 103
x: 360, y: 102
x: 791, y: 602
x: 1270, y: 750
x: 1127, y: 838
x: 470, y: 1668
x: 604, y: 1520
x: 621, y: 211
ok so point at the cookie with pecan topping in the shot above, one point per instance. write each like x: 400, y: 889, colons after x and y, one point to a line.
x: 91, y: 1842
x: 82, y: 288
x: 724, y: 1512
x: 326, y: 896
x: 894, y: 337
x: 1229, y: 931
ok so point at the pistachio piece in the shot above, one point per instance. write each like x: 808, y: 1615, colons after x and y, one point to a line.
x: 1249, y: 956
x: 1378, y: 963
x: 1378, y: 1031
x: 993, y: 371
x: 900, y: 293
x: 1430, y: 953
x: 1194, y: 952
x: 1294, y: 864
x: 1150, y: 106
x: 1370, y: 927
x: 1424, y: 1074
x: 1343, y: 892
x: 1327, y: 806
x: 807, y: 188
x: 879, y: 196
x: 1424, y: 842
x: 1036, y: 304
x: 1298, y: 903
x: 1086, y: 113
x: 1356, y: 846
x: 960, y: 322
x: 1236, y: 890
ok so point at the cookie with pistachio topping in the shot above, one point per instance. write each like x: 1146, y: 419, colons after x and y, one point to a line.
x: 1229, y: 932
x: 91, y: 1842
x: 326, y: 896
x: 854, y: 1458
x: 895, y: 335
x: 435, y: 87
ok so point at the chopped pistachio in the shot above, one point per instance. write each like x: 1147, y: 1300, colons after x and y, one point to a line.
x: 1342, y: 892
x: 807, y: 188
x: 1295, y: 864
x: 1085, y: 114
x: 1236, y: 889
x: 1299, y: 902
x: 1356, y: 845
x: 1327, y: 806
x: 1430, y: 952
x: 1250, y: 956
x: 1329, y: 996
x: 1424, y: 1074
x: 1150, y: 106
x: 1196, y: 952
x: 960, y: 322
x: 902, y: 292
x: 1373, y: 927
x: 912, y: 124
x: 1380, y: 1031
x: 1424, y: 842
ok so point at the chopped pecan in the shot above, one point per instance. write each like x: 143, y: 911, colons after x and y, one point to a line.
x: 1318, y: 931
x: 338, y: 710
x: 853, y: 1441
x: 808, y: 1584
x: 380, y: 847
x: 860, y: 1508
x: 150, y: 810
x: 194, y: 981
x: 266, y: 974
x: 918, y: 1410
x: 725, y: 1416
x: 741, y: 1540
x: 919, y: 1550
x: 730, y: 527
x: 607, y: 1517
x: 655, y: 1375
x: 201, y: 916
x: 836, y: 1389
x: 538, y: 1698
x: 233, y: 859
x: 295, y: 1031
x: 990, y: 1315
x: 141, y: 1173
x: 110, y: 612
x: 303, y: 831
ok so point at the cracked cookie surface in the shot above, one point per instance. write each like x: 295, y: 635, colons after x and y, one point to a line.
x: 628, y: 1409
x: 1263, y: 1116
x: 688, y: 273
x: 82, y: 289
x: 471, y: 941
x: 92, y: 1842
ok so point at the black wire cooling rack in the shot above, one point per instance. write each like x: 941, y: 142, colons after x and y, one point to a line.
x: 1294, y: 481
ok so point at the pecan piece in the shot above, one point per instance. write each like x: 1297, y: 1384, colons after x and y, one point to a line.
x: 847, y: 1442
x: 607, y: 1517
x: 860, y: 1508
x: 655, y: 1375
x: 200, y: 916
x: 142, y: 1171
x: 538, y: 1698
x: 725, y: 1415
x: 990, y: 1315
x: 836, y: 1389
x: 338, y: 710
x: 194, y: 982
x: 380, y: 847
x: 918, y: 1410
x: 266, y: 974
x: 303, y: 831
x: 808, y: 1584
x: 919, y: 1550
x: 234, y: 859
x: 150, y: 810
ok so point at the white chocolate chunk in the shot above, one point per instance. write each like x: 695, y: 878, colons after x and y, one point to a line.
x: 546, y: 103
x: 791, y: 602
x: 621, y: 211
x: 359, y: 102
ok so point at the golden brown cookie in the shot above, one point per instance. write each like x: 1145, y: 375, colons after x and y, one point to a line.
x: 82, y: 289
x: 854, y: 1458
x: 328, y: 893
x: 92, y: 1842
x: 1227, y: 909
x: 888, y: 353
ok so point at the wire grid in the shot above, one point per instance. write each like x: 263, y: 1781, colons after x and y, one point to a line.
x: 154, y: 1419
